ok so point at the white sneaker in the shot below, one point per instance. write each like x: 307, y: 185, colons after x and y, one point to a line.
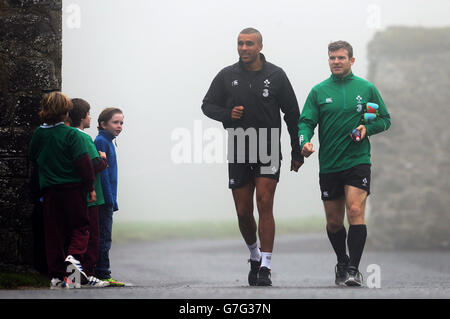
x: 71, y: 283
x: 57, y: 283
x: 71, y: 262
x: 94, y: 282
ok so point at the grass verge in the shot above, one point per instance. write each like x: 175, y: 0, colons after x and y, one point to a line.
x: 153, y: 231
x: 16, y: 280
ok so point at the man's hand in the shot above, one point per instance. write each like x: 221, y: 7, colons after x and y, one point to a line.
x: 307, y: 149
x: 295, y: 165
x: 102, y: 154
x: 363, y: 131
x: 237, y: 112
x: 92, y: 197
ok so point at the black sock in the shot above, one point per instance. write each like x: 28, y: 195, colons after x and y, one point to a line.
x: 357, y: 235
x: 337, y: 240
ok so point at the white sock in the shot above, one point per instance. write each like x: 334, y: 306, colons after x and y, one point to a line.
x: 255, y: 254
x: 265, y: 259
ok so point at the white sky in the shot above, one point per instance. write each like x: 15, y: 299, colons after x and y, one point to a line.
x: 156, y: 60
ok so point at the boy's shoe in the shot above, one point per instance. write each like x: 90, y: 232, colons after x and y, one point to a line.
x: 114, y: 283
x: 253, y: 274
x: 69, y: 284
x: 340, y: 273
x: 94, y: 282
x: 70, y: 260
x: 264, y: 277
x: 57, y: 283
x: 354, y: 278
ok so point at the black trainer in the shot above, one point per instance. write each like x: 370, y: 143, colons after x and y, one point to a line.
x: 354, y: 278
x: 253, y: 274
x: 264, y: 277
x: 340, y: 271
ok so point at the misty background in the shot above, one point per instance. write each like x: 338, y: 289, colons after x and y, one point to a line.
x: 156, y: 59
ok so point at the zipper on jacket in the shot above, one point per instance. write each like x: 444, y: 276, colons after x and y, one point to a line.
x: 345, y: 98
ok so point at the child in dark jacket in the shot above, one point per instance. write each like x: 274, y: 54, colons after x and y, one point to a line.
x: 110, y: 124
x: 66, y: 177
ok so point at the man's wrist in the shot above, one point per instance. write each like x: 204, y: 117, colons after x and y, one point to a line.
x: 297, y: 156
x: 303, y: 145
x: 367, y: 130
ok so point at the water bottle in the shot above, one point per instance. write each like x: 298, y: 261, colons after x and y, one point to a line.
x: 356, y: 135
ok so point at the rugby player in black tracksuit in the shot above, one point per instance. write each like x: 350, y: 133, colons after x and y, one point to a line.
x: 247, y: 98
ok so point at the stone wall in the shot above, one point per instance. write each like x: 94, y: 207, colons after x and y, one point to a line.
x: 410, y: 203
x: 30, y: 65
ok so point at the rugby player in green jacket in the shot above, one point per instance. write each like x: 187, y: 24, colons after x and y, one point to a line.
x: 338, y: 105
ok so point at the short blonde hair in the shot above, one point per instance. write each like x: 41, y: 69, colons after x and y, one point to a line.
x: 54, y: 107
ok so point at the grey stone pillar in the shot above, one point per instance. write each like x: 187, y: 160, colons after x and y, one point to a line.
x: 30, y: 65
x: 411, y: 182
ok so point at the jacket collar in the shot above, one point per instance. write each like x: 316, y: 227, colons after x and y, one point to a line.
x: 106, y: 135
x: 82, y: 131
x: 347, y: 77
x: 263, y: 60
x: 45, y: 125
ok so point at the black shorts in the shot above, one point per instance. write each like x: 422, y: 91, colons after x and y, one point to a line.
x: 240, y: 174
x: 332, y: 184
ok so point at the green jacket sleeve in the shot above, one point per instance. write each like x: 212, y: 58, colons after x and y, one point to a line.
x: 309, y: 118
x: 77, y: 145
x: 383, y: 122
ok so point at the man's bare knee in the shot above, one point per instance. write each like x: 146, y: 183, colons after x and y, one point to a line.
x: 264, y: 199
x: 244, y: 211
x: 354, y: 212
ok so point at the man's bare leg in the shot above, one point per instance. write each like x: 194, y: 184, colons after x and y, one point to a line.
x: 265, y: 192
x: 335, y: 213
x: 243, y: 201
x: 355, y: 201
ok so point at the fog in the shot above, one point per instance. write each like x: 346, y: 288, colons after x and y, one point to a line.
x: 156, y: 59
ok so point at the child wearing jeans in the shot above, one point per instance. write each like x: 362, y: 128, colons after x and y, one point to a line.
x: 110, y: 123
x: 80, y: 118
x: 66, y: 177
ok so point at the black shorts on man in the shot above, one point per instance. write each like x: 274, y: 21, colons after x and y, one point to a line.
x: 332, y: 184
x: 240, y: 174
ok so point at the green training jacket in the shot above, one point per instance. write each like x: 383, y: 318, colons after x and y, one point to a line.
x: 337, y: 106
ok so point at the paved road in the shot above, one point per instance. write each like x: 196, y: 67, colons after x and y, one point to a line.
x: 302, y: 268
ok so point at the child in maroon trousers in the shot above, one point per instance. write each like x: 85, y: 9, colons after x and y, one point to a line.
x: 66, y: 177
x: 80, y: 118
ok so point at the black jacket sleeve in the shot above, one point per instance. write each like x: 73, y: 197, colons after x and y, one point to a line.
x: 289, y: 106
x: 214, y: 103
